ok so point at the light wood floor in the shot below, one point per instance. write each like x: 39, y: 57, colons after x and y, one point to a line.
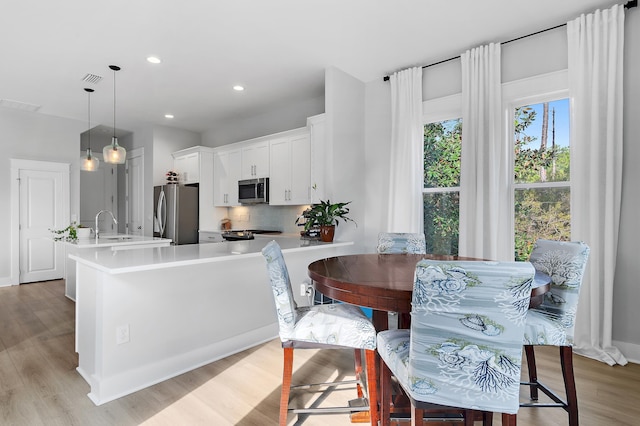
x: 39, y: 384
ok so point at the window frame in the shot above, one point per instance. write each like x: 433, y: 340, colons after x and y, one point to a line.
x: 531, y: 90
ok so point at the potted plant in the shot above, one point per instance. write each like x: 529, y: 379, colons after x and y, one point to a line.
x: 325, y: 216
x: 70, y: 233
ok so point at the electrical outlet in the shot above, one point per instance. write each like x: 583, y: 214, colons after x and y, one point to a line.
x: 122, y: 334
x: 303, y: 289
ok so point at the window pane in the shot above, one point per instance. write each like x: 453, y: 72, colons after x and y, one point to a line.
x: 540, y: 213
x: 542, y: 156
x: 542, y: 142
x: 441, y: 218
x: 442, y: 147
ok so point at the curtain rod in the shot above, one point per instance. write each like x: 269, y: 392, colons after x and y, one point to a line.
x: 628, y: 5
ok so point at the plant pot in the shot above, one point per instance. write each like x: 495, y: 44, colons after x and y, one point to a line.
x: 327, y: 232
x: 83, y: 233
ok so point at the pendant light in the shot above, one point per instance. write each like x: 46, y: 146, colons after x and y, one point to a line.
x: 114, y: 153
x: 89, y: 163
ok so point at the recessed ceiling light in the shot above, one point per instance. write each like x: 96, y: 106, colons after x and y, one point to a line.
x: 153, y: 60
x: 168, y: 116
x: 238, y: 88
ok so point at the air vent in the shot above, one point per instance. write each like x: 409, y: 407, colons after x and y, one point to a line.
x: 23, y: 106
x: 92, y: 78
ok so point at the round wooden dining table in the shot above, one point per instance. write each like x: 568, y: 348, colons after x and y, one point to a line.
x: 384, y: 282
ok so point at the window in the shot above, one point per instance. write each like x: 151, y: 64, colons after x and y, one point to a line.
x: 441, y: 193
x: 540, y: 187
x: 541, y: 174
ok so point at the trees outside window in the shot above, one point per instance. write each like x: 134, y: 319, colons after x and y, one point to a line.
x: 541, y: 174
x: 441, y: 194
x: 541, y: 178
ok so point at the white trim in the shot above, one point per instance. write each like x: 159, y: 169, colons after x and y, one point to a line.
x: 528, y: 91
x: 538, y: 185
x: 630, y: 351
x: 442, y: 109
x: 533, y: 90
x: 16, y: 166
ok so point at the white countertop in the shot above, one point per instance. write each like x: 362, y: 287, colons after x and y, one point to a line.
x: 144, y: 259
x: 109, y: 240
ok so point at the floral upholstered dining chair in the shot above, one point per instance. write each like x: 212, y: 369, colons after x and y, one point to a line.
x: 464, y: 347
x: 401, y: 242
x: 553, y: 322
x: 328, y: 326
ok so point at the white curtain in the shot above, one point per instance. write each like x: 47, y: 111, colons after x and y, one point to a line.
x: 407, y: 139
x: 595, y: 43
x: 484, y: 180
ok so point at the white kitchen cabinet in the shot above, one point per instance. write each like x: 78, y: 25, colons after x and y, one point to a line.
x: 226, y: 173
x: 290, y: 180
x: 255, y: 160
x: 195, y: 166
x: 187, y: 164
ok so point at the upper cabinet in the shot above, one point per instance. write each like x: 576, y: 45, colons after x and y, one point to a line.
x: 226, y: 167
x: 195, y: 166
x: 187, y: 164
x: 287, y: 158
x: 290, y: 180
x: 255, y: 160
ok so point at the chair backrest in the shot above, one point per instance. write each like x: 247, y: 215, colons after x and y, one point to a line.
x: 401, y: 242
x: 281, y: 285
x: 467, y: 326
x: 565, y: 263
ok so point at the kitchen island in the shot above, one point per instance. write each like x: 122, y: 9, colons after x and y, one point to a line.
x: 144, y: 316
x: 106, y: 242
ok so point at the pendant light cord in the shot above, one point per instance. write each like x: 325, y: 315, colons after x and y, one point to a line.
x: 114, y: 68
x: 89, y: 91
x: 114, y: 102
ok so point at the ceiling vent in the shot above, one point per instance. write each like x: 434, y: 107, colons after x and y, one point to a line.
x: 92, y: 78
x: 23, y: 106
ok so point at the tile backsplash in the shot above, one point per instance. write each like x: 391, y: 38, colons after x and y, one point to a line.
x: 264, y: 216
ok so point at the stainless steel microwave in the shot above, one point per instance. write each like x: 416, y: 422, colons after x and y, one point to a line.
x: 253, y: 191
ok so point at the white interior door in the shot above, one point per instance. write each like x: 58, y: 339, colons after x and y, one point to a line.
x: 42, y: 208
x: 135, y: 192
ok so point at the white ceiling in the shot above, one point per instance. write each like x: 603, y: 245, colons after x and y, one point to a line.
x: 277, y: 49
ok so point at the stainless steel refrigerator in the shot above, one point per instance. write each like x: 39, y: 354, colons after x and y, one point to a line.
x: 176, y: 213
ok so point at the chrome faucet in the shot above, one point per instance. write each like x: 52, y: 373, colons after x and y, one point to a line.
x: 98, y: 215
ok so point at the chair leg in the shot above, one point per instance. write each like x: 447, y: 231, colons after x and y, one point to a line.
x: 566, y: 362
x: 487, y: 418
x: 357, y: 355
x: 533, y: 372
x: 417, y: 416
x: 287, y: 372
x: 372, y: 386
x: 469, y: 417
x: 509, y: 419
x: 385, y: 394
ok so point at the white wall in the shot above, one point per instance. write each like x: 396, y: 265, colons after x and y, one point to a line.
x: 345, y: 112
x: 276, y: 118
x: 539, y: 54
x: 33, y: 136
x: 167, y: 140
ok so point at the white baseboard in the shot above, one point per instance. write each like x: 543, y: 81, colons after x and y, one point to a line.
x: 630, y: 351
x: 6, y: 282
x: 115, y: 386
